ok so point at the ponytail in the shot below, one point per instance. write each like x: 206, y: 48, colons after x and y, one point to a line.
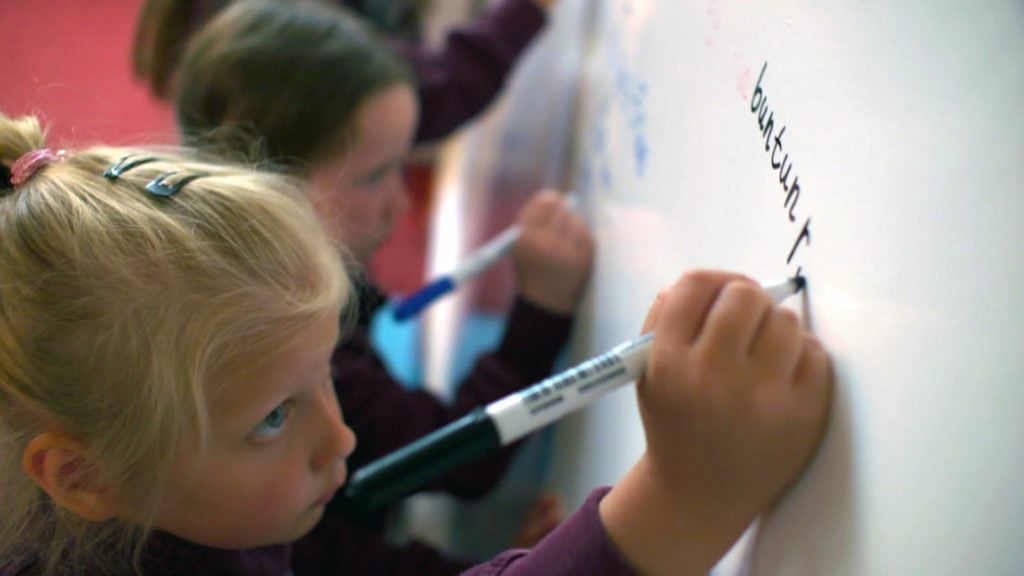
x: 18, y: 136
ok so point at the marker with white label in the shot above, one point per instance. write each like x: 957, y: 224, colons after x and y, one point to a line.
x: 475, y: 263
x: 500, y: 423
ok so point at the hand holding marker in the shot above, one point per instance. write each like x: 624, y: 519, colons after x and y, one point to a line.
x: 500, y: 423
x: 476, y: 263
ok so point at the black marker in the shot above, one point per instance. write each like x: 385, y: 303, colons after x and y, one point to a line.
x: 487, y: 429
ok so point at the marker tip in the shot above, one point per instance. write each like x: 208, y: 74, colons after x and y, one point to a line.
x: 800, y: 283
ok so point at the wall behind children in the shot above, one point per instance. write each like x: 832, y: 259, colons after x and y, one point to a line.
x: 877, y: 148
x: 69, y: 63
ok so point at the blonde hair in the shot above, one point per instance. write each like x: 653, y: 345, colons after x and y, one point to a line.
x: 121, y: 311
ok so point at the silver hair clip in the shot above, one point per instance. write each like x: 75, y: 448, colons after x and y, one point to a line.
x: 159, y: 186
x: 126, y: 163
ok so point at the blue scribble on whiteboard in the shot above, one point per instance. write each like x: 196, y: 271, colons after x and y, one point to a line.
x: 631, y: 98
x: 617, y: 127
x: 594, y: 170
x: 640, y: 154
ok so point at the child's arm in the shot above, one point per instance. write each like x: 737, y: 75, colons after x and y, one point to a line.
x: 735, y: 402
x: 552, y: 257
x: 458, y: 81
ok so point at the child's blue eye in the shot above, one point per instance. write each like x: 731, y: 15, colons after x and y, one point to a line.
x: 273, y: 423
x: 374, y: 179
x: 378, y: 176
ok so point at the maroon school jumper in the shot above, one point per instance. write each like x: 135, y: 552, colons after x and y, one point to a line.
x: 456, y: 82
x: 579, y: 547
x: 386, y: 416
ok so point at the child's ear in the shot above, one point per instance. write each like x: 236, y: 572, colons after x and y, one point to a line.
x: 60, y: 466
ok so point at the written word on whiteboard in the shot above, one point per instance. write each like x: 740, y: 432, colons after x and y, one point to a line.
x: 780, y: 161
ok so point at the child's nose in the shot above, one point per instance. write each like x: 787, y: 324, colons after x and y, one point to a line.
x: 338, y: 440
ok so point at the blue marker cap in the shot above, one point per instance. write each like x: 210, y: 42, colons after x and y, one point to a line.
x: 420, y: 300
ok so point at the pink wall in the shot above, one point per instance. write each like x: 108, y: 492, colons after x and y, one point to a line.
x: 69, y: 62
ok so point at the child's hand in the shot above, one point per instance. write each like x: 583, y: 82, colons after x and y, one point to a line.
x: 543, y: 516
x: 553, y: 253
x: 735, y: 395
x: 735, y: 401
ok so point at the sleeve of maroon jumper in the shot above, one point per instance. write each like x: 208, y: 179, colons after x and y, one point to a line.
x: 578, y: 547
x: 458, y: 81
x: 339, y: 545
x: 386, y: 416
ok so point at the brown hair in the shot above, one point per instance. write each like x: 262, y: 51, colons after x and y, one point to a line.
x: 289, y: 76
x: 164, y: 27
x: 161, y: 33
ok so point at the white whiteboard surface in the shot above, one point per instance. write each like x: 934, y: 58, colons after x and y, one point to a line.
x: 904, y: 122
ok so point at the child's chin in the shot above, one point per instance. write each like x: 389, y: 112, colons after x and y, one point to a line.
x: 314, y: 518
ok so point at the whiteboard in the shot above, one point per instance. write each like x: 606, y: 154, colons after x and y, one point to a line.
x: 902, y: 124
x: 487, y: 173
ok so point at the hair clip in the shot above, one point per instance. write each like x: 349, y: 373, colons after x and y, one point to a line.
x: 114, y: 171
x: 158, y: 186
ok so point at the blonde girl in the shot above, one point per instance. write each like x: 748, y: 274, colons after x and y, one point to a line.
x: 167, y: 407
x: 145, y: 328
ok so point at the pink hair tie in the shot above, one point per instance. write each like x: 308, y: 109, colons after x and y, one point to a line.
x: 32, y: 161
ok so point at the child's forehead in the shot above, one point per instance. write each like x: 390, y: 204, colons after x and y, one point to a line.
x: 265, y: 379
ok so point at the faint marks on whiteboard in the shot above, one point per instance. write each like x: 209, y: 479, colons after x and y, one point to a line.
x: 630, y: 91
x: 780, y: 162
x: 633, y: 95
x: 619, y: 123
x: 714, y: 11
x: 595, y: 171
x: 744, y: 81
x: 718, y: 26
